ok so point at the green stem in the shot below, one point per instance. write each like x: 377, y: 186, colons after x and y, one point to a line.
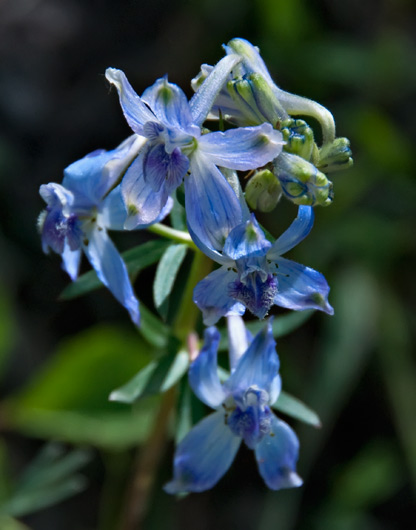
x: 170, y: 233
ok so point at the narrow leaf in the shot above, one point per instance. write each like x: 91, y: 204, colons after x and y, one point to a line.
x: 134, y: 388
x: 153, y: 329
x: 166, y: 272
x: 295, y: 408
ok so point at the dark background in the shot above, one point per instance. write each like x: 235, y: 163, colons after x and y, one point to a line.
x: 356, y: 368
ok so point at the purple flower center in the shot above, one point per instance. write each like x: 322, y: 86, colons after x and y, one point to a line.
x: 254, y: 292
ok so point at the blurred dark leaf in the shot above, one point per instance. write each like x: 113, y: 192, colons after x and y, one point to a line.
x: 296, y: 409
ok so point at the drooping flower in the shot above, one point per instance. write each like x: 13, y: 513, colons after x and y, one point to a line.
x: 177, y: 149
x: 242, y: 413
x: 254, y: 275
x: 81, y: 209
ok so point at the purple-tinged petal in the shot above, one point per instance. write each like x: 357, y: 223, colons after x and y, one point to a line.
x: 243, y: 148
x: 259, y: 366
x: 203, y: 456
x: 210, y: 252
x: 169, y: 103
x: 163, y: 169
x: 212, y: 207
x: 143, y: 205
x: 255, y: 289
x: 111, y: 270
x: 301, y: 287
x: 296, y: 232
x: 134, y: 109
x: 203, y: 100
x: 211, y: 296
x: 203, y: 373
x: 70, y: 261
x: 246, y: 240
x: 276, y: 456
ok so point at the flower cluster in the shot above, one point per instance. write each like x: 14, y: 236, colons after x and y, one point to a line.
x: 134, y: 187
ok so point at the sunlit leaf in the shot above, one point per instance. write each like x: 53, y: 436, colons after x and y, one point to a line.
x: 296, y: 409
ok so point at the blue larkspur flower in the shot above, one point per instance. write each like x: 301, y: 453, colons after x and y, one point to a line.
x: 81, y: 209
x: 242, y: 413
x: 177, y: 150
x: 254, y: 275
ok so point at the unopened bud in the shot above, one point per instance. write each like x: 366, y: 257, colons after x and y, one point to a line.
x: 298, y: 137
x: 301, y: 181
x: 263, y: 191
x: 335, y: 156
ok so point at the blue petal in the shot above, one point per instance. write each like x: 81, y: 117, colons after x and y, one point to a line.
x: 163, y: 169
x: 296, y: 232
x: 243, y: 148
x: 204, y: 98
x: 300, y: 287
x: 169, y: 103
x: 276, y: 456
x: 111, y: 270
x: 203, y: 373
x: 70, y: 261
x: 210, y: 252
x: 259, y: 366
x: 246, y: 240
x: 256, y: 289
x: 134, y: 109
x: 143, y: 205
x: 212, y: 207
x: 203, y: 456
x: 211, y: 296
x: 238, y: 339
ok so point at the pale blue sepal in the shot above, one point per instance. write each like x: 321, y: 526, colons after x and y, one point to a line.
x: 203, y: 372
x: 114, y: 212
x: 111, y: 270
x: 203, y: 456
x: 238, y: 339
x: 212, y: 207
x: 211, y: 296
x: 134, y: 110
x: 70, y: 261
x: 296, y: 232
x: 169, y: 103
x: 204, y: 98
x: 143, y: 204
x: 277, y: 455
x: 301, y: 287
x: 246, y: 240
x: 210, y: 252
x: 243, y: 148
x: 259, y: 365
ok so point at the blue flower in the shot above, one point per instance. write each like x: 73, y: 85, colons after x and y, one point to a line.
x: 176, y: 149
x: 242, y: 413
x: 253, y: 274
x: 81, y: 209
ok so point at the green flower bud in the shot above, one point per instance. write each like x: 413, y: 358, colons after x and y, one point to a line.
x: 298, y: 137
x: 335, y: 156
x: 301, y: 181
x: 255, y: 99
x: 263, y: 191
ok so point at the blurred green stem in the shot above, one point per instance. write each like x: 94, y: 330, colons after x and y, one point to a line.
x: 148, y: 458
x: 170, y: 233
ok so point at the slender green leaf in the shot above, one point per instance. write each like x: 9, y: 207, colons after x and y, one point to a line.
x: 166, y: 273
x: 178, y: 216
x: 295, y: 408
x: 134, y: 388
x: 152, y: 328
x: 136, y: 259
x: 184, y: 419
x: 8, y: 523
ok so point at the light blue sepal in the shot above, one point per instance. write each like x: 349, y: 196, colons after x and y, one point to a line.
x: 169, y: 103
x: 258, y: 366
x: 301, y: 287
x: 202, y: 101
x: 212, y: 298
x: 203, y: 373
x: 134, y: 110
x: 243, y: 148
x: 212, y: 207
x: 296, y: 232
x: 276, y: 456
x: 203, y: 456
x: 246, y: 240
x: 70, y: 261
x: 111, y: 270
